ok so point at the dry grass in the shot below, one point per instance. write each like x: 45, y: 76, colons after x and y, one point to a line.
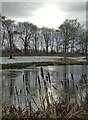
x: 50, y: 108
x: 57, y: 110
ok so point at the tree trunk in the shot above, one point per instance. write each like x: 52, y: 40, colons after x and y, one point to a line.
x: 86, y: 47
x: 35, y: 44
x: 86, y: 28
x: 47, y: 49
x: 72, y: 47
x: 65, y: 49
x: 10, y: 41
x: 25, y: 49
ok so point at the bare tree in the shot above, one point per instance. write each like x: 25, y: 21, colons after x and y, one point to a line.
x: 47, y: 35
x: 70, y: 31
x: 26, y: 32
x: 9, y: 25
x: 65, y: 33
x: 36, y: 36
x: 52, y: 40
x: 59, y: 41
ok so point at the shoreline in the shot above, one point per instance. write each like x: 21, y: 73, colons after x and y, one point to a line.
x: 22, y: 62
x: 28, y: 64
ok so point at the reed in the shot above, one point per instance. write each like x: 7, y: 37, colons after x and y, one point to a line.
x: 50, y: 108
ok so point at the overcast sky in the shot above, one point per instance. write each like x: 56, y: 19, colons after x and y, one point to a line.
x: 45, y: 13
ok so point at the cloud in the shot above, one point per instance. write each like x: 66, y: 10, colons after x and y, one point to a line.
x: 19, y: 9
x: 72, y: 6
x: 25, y: 10
x: 74, y: 10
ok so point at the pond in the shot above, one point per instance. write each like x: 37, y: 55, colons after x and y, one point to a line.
x: 22, y: 86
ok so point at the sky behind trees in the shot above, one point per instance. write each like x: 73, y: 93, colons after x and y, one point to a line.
x: 45, y: 13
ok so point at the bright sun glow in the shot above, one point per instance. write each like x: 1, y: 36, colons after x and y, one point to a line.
x: 48, y: 16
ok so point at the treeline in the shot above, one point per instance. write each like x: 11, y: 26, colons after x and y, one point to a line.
x: 27, y: 38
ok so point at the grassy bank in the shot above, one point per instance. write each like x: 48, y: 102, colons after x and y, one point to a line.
x: 57, y: 62
x: 6, y: 54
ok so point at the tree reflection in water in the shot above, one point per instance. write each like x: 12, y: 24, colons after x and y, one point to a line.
x: 69, y: 80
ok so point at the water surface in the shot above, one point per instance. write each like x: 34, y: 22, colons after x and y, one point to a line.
x: 14, y: 83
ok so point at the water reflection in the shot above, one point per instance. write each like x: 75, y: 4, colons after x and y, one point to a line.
x: 70, y: 80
